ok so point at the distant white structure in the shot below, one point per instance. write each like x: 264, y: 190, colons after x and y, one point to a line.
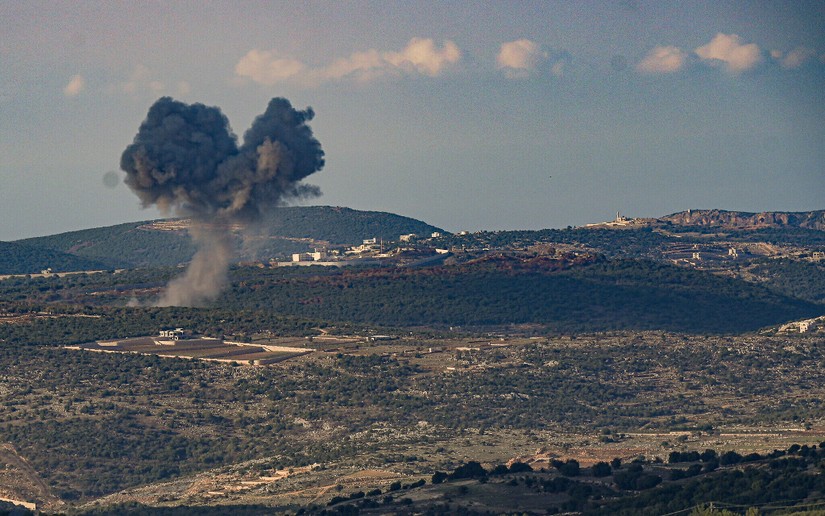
x: 619, y: 221
x: 803, y: 326
x: 316, y: 256
x: 435, y: 234
x: 176, y: 334
x: 408, y: 238
x: 370, y: 245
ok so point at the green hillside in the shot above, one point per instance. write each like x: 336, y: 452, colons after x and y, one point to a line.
x: 123, y: 245
x: 605, y: 295
x: 16, y: 258
x: 339, y: 225
x: 286, y: 230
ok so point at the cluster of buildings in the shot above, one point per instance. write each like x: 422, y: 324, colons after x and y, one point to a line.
x: 369, y: 249
x: 692, y: 254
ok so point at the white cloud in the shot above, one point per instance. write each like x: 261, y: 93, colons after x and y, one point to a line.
x: 728, y: 49
x: 521, y: 57
x: 420, y: 56
x: 796, y: 58
x: 360, y: 65
x: 75, y: 86
x: 663, y: 59
x: 266, y: 67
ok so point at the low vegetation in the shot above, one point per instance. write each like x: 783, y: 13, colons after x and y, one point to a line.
x: 577, y: 370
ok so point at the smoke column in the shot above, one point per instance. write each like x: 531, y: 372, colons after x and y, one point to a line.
x: 185, y: 160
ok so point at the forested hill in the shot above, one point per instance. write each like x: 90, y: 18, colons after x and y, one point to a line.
x: 123, y: 245
x: 18, y: 258
x: 339, y: 225
x: 151, y: 243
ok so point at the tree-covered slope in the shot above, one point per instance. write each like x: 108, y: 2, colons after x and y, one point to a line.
x: 606, y: 295
x: 144, y: 244
x: 339, y: 225
x: 123, y: 245
x: 18, y: 258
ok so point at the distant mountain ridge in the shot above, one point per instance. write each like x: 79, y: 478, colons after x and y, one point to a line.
x: 746, y: 220
x: 166, y: 242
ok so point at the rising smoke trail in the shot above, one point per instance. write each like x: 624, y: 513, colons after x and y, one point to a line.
x: 186, y: 161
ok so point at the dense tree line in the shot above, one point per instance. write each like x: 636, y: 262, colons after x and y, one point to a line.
x: 624, y: 243
x: 802, y: 280
x: 604, y: 296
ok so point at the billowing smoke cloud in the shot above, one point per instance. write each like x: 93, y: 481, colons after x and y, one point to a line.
x: 186, y: 161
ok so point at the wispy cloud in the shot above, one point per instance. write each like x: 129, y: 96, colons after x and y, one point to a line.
x: 75, y: 86
x: 663, y: 59
x: 421, y: 56
x: 520, y: 58
x: 794, y: 59
x: 267, y: 67
x: 143, y: 80
x: 729, y: 51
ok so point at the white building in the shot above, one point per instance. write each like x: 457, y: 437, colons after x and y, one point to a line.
x: 318, y: 255
x: 176, y: 334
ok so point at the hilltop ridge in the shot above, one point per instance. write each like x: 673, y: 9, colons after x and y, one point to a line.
x: 165, y: 242
x: 746, y: 220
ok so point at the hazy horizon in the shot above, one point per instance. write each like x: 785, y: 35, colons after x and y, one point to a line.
x: 476, y: 116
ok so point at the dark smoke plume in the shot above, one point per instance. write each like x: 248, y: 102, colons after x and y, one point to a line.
x: 186, y: 160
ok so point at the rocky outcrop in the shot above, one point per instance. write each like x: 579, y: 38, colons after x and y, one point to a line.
x: 741, y: 219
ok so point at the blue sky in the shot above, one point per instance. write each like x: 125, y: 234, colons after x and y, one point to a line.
x: 468, y: 115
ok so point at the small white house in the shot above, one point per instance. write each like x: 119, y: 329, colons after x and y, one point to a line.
x: 176, y: 334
